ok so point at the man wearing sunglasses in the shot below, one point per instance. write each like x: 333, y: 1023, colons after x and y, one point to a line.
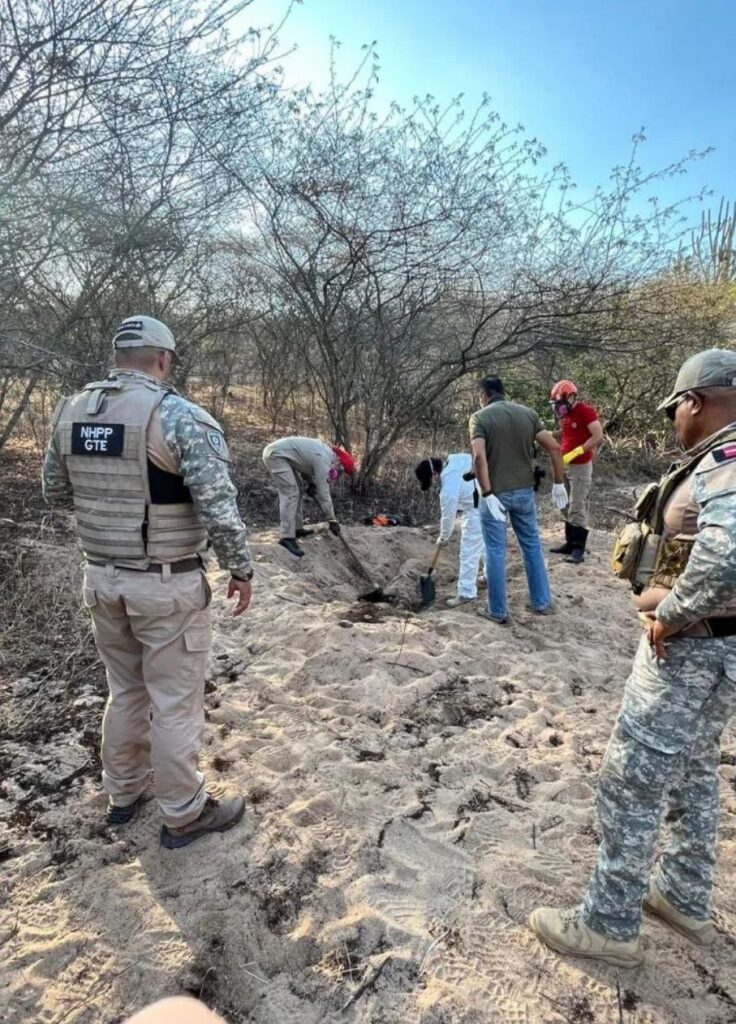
x: 664, y: 753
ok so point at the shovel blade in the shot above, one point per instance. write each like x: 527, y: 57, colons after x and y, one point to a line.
x: 427, y: 590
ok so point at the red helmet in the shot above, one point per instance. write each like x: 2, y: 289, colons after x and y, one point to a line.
x: 562, y: 389
x: 346, y: 459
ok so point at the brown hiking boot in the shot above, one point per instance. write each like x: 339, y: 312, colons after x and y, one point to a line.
x: 216, y: 816
x: 702, y: 933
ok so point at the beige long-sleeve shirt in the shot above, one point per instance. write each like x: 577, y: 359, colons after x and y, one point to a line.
x: 312, y: 459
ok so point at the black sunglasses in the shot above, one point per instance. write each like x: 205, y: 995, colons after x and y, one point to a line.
x: 671, y: 410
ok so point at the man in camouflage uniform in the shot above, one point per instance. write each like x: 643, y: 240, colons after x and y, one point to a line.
x: 146, y: 472
x: 664, y: 753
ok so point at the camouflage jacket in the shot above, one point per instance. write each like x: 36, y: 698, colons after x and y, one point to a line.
x: 198, y: 447
x: 707, y: 587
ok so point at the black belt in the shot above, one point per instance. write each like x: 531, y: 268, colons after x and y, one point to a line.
x: 186, y: 565
x: 721, y: 627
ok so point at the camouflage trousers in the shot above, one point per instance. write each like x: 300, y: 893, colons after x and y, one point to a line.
x: 662, y: 759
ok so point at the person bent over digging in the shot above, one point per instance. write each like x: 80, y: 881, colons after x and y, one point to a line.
x: 298, y: 464
x: 664, y: 754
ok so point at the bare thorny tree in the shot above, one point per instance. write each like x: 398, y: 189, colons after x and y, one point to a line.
x: 110, y: 201
x: 414, y: 249
x: 307, y: 243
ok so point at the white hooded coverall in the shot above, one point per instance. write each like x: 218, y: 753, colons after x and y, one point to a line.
x: 456, y: 495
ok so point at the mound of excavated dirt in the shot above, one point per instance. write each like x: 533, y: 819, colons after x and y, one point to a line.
x: 417, y: 783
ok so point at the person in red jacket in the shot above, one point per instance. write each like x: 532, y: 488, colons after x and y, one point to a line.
x: 580, y: 436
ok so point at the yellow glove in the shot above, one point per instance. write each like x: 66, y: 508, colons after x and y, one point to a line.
x: 571, y: 456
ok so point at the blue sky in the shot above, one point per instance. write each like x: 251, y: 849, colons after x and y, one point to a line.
x: 581, y: 75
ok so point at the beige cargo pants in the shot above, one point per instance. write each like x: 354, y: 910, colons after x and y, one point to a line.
x: 580, y: 484
x: 286, y: 483
x: 153, y: 634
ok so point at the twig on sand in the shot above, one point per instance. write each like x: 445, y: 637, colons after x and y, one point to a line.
x: 204, y: 982
x: 534, y: 835
x: 432, y: 946
x: 620, y: 512
x: 508, y: 804
x: 251, y: 963
x: 620, y: 1000
x: 97, y: 990
x: 370, y: 979
x: 403, y: 636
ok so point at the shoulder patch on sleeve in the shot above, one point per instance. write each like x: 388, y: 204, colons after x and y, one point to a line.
x: 726, y: 453
x: 212, y: 431
x: 716, y: 474
x: 216, y: 442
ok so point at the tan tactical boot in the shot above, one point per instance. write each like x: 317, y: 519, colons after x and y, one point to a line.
x: 564, y: 931
x: 216, y: 816
x: 702, y: 933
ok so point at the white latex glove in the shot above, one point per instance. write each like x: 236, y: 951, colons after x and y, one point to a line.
x: 494, y: 506
x: 442, y: 541
x: 559, y: 496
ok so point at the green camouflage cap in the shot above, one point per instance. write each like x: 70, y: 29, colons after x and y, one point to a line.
x: 714, y: 368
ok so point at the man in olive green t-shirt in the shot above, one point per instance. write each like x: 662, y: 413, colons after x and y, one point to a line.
x: 502, y: 436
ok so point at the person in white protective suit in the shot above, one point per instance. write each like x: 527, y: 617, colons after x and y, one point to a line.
x: 457, y: 495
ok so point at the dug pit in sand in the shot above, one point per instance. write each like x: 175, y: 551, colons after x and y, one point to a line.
x: 416, y: 784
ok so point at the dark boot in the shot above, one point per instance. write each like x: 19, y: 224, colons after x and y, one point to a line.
x: 580, y: 539
x: 567, y: 547
x: 123, y: 815
x: 217, y: 816
x: 291, y: 546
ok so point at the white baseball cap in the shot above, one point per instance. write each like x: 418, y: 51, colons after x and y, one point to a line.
x: 143, y: 332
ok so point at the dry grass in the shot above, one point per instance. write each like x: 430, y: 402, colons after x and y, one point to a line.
x: 44, y: 631
x: 46, y: 643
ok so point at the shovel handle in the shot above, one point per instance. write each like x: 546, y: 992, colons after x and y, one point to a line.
x: 355, y: 560
x: 435, y: 559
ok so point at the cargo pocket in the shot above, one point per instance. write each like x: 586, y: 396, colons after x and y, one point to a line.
x: 197, y: 645
x: 197, y: 640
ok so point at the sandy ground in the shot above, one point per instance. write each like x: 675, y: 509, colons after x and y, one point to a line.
x: 417, y: 783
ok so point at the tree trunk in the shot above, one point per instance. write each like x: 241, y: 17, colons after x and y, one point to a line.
x: 19, y: 409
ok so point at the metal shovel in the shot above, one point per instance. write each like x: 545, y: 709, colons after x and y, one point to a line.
x: 375, y: 593
x: 427, y: 590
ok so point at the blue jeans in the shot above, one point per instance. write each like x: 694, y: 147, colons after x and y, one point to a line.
x: 522, y: 511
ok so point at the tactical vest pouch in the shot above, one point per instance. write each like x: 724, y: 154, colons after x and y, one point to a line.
x: 634, y: 553
x: 645, y: 503
x: 647, y: 560
x: 670, y: 561
x: 626, y: 550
